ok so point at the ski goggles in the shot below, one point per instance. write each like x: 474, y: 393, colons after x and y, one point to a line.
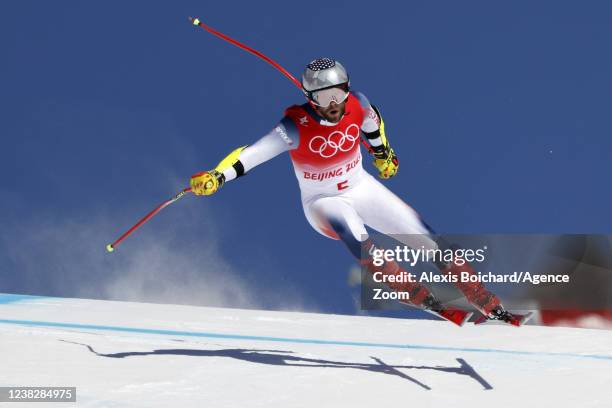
x: 325, y: 97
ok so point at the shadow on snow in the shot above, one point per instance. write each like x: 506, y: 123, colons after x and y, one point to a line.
x: 288, y: 359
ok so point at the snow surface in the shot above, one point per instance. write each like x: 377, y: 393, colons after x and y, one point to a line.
x: 121, y: 354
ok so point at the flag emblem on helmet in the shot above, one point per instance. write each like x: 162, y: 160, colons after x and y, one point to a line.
x: 321, y: 63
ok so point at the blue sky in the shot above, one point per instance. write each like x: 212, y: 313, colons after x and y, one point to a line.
x: 499, y: 113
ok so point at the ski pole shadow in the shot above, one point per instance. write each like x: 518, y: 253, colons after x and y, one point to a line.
x: 289, y: 359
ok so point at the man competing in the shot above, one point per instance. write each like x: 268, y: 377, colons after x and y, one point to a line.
x: 339, y: 197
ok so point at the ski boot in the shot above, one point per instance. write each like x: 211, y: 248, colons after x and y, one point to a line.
x: 419, y: 295
x: 452, y: 314
x: 500, y: 314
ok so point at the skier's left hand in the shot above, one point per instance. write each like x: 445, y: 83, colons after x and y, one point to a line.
x: 387, y: 166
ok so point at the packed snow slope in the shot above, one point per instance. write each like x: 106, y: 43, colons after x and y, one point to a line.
x: 121, y: 354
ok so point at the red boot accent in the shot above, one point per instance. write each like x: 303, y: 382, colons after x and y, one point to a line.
x: 474, y: 292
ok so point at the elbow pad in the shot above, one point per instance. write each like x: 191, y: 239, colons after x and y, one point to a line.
x: 382, y: 150
x: 232, y: 160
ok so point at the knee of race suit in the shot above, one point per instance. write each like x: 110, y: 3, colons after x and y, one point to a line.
x: 346, y: 235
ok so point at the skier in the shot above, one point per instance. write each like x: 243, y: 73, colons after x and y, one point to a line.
x: 339, y: 197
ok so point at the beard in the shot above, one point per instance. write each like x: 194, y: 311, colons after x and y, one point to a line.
x: 333, y: 113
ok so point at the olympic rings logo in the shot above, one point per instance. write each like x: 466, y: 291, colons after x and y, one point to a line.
x: 335, y: 142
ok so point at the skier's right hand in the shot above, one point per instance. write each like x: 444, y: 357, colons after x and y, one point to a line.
x: 206, y: 182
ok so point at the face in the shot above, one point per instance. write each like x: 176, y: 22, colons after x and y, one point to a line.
x: 332, y: 113
x: 330, y: 103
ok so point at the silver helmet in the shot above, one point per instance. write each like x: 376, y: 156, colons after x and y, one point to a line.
x: 323, y: 73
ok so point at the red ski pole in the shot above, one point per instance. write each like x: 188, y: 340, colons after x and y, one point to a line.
x: 111, y: 247
x: 196, y: 22
x: 237, y: 43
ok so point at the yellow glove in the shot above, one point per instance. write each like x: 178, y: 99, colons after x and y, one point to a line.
x: 387, y: 166
x: 385, y: 159
x: 206, y: 182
